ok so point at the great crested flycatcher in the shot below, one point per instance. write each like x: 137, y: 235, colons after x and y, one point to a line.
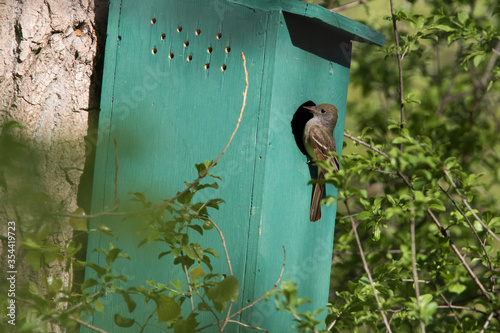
x: 319, y: 141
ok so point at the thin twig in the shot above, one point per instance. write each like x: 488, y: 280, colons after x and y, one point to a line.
x: 367, y: 270
x: 226, y: 320
x: 204, y: 173
x: 394, y: 312
x: 413, y: 281
x: 459, y: 255
x: 459, y: 307
x: 81, y: 322
x: 487, y: 322
x: 367, y: 145
x: 466, y: 203
x: 111, y: 212
x: 223, y: 245
x: 450, y: 306
x: 400, y: 67
x: 471, y: 226
x: 274, y: 287
x: 247, y: 326
x: 489, y: 68
x: 348, y: 216
x: 191, y: 298
x: 383, y: 172
x: 436, y: 221
x: 414, y: 261
x: 480, y: 220
x: 348, y: 6
x: 333, y: 323
x: 256, y: 301
x: 223, y: 240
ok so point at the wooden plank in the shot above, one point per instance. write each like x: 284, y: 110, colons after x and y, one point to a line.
x: 283, y: 210
x: 168, y: 114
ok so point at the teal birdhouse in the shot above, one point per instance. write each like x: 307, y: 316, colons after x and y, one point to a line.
x: 171, y: 98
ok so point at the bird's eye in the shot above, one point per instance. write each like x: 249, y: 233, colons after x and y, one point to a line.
x: 323, y: 111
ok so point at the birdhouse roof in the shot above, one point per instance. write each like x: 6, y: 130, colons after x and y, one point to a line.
x: 319, y: 15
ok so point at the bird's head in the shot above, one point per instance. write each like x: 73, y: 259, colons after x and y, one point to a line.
x: 326, y: 113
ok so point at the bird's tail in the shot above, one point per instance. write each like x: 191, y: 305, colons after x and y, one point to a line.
x: 315, y: 213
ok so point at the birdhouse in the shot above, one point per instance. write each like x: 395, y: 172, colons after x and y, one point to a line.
x: 171, y: 98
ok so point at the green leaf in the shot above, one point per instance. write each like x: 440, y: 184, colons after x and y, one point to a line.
x: 478, y: 59
x: 457, y: 288
x: 122, y: 321
x: 98, y: 305
x: 78, y: 223
x: 9, y: 125
x: 186, y: 326
x: 376, y: 234
x: 167, y: 308
x: 425, y: 299
x: 214, y: 203
x: 203, y: 307
x: 462, y: 17
x: 106, y: 231
x: 176, y: 284
x: 89, y: 283
x: 436, y: 204
x: 34, y: 259
x: 377, y: 203
x: 494, y: 222
x: 112, y: 254
x: 197, y: 228
x: 202, y: 166
x: 131, y: 305
x: 185, y: 198
x: 197, y: 271
x: 193, y: 251
x: 98, y: 269
x: 212, y: 252
x: 478, y: 226
x: 202, y: 186
x: 224, y: 291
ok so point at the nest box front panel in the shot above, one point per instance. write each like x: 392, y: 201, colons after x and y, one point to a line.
x: 311, y: 63
x: 174, y: 83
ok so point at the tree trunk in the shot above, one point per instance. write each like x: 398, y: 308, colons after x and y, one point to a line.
x: 50, y: 69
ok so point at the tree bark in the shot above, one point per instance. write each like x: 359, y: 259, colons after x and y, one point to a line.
x: 51, y: 55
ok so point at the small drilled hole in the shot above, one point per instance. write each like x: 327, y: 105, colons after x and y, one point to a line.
x: 189, y: 58
x: 207, y: 66
x: 197, y: 32
x: 170, y: 55
x: 228, y: 49
x: 153, y: 20
x: 219, y: 36
x: 223, y: 68
x: 209, y: 50
x: 162, y: 37
x: 186, y: 43
x: 154, y: 50
x: 179, y: 29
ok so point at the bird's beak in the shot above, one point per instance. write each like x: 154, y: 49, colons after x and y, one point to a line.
x: 310, y: 108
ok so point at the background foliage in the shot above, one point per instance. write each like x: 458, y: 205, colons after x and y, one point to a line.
x: 445, y: 160
x: 417, y: 197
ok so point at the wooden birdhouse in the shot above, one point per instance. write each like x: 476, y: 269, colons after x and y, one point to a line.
x: 171, y: 97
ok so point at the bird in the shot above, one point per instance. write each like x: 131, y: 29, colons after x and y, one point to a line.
x: 319, y: 142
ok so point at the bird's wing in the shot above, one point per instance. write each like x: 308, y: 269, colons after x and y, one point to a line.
x: 322, y: 143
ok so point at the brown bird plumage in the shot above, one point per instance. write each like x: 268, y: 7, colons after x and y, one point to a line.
x: 319, y: 142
